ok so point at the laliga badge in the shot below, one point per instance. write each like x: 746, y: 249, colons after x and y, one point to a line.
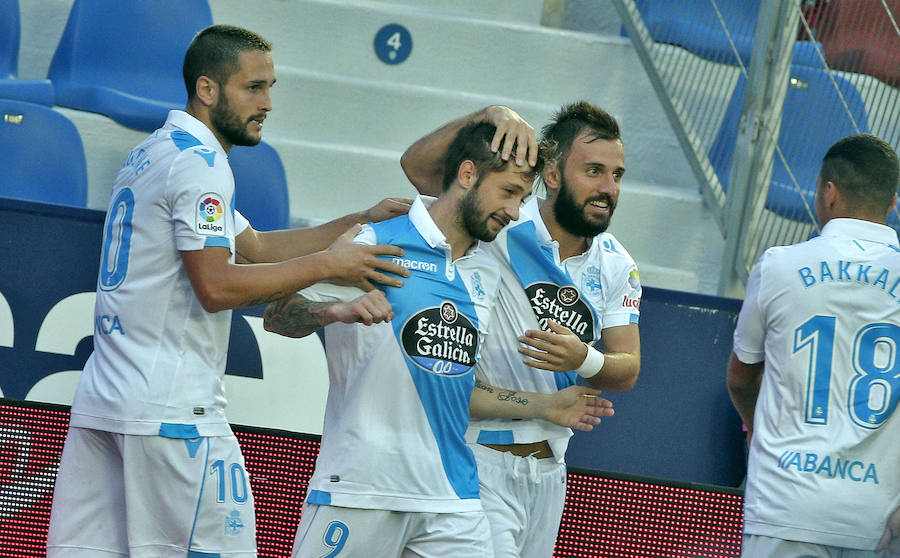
x: 210, y: 215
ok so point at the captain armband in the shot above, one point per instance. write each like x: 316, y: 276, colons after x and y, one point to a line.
x: 592, y: 364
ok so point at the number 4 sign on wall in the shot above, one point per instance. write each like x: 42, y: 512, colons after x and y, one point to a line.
x: 393, y: 43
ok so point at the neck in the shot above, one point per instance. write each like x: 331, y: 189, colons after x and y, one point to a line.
x: 445, y: 213
x: 201, y: 113
x: 569, y: 244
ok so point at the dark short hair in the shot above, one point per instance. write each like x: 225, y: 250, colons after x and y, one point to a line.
x: 865, y: 170
x: 473, y: 143
x: 571, y: 121
x: 214, y: 52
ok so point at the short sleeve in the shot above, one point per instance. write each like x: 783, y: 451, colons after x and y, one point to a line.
x: 241, y: 223
x: 750, y: 333
x: 623, y: 296
x: 200, y: 192
x: 329, y: 292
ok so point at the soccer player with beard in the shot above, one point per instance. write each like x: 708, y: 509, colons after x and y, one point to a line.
x: 565, y: 284
x: 150, y: 466
x: 394, y: 476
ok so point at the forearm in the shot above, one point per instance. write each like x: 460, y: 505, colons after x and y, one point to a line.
x: 296, y: 316
x: 423, y: 161
x: 493, y: 402
x: 619, y: 372
x: 278, y: 246
x: 236, y: 286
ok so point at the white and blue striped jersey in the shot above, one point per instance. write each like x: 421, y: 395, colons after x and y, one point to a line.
x: 824, y: 317
x: 159, y: 357
x: 589, y: 292
x: 398, y: 398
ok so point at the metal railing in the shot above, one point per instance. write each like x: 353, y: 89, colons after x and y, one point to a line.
x: 757, y: 90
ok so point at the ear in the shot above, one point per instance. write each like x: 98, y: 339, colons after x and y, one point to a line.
x: 551, y: 178
x: 892, y: 206
x: 466, y: 174
x: 832, y: 194
x: 207, y: 91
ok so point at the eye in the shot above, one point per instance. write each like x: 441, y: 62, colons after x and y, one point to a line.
x: 593, y: 171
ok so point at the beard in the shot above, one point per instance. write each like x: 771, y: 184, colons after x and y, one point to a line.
x: 473, y: 218
x: 571, y: 217
x: 229, y: 124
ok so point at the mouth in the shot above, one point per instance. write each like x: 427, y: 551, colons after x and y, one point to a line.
x: 500, y: 221
x: 602, y: 205
x: 257, y: 121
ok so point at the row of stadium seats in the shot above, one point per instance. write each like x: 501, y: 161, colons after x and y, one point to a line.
x: 820, y: 107
x: 854, y: 36
x: 121, y: 59
x: 42, y: 157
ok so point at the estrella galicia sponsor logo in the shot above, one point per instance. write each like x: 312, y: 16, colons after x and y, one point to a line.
x: 210, y: 215
x: 832, y: 467
x: 441, y: 340
x: 563, y: 305
x: 415, y: 265
x: 233, y: 523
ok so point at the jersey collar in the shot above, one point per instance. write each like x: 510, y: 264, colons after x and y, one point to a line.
x: 422, y: 221
x: 860, y: 229
x: 194, y: 127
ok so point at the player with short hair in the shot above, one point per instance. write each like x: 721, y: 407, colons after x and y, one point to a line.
x: 565, y: 283
x: 394, y: 476
x: 150, y: 466
x: 815, y: 372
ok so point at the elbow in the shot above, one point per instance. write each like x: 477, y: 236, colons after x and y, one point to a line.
x: 629, y: 380
x: 213, y: 300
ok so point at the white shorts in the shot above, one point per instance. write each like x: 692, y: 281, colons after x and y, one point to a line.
x: 149, y: 496
x: 336, y: 532
x: 758, y: 546
x: 523, y: 498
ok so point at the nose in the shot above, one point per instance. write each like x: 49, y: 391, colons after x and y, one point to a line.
x: 266, y: 101
x: 512, y: 211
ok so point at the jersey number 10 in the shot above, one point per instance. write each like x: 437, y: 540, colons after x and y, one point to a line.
x: 874, y: 390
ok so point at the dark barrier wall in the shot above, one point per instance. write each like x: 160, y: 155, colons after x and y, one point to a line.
x: 677, y: 423
x: 605, y: 514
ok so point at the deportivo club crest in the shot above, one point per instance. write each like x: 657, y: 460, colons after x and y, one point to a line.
x: 441, y: 340
x: 563, y: 305
x: 233, y: 523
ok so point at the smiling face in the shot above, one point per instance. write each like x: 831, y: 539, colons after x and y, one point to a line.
x: 493, y: 202
x: 587, y: 186
x: 243, y: 101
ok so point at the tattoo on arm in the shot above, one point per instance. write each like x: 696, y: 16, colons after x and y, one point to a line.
x: 265, y: 299
x: 512, y: 396
x: 481, y: 385
x: 504, y: 395
x: 295, y: 316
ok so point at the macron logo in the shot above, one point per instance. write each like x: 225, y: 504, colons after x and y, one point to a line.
x: 416, y: 265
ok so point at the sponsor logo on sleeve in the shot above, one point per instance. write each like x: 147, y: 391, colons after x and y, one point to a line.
x: 210, y: 215
x: 441, y: 340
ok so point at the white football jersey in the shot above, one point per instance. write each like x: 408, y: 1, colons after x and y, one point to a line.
x: 586, y: 293
x: 159, y: 357
x: 398, y: 397
x: 824, y: 317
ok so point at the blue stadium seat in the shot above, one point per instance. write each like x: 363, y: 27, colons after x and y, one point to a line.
x: 260, y: 186
x: 123, y: 58
x: 813, y: 118
x: 695, y: 25
x: 41, y: 155
x: 32, y: 90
